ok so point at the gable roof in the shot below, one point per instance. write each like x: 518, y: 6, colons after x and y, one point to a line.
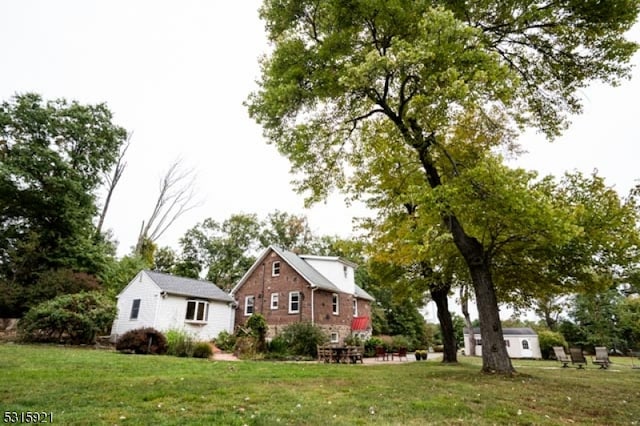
x: 522, y: 331
x: 362, y: 294
x: 308, y: 272
x: 188, y: 287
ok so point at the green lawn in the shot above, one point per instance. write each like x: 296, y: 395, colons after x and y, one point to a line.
x: 85, y: 386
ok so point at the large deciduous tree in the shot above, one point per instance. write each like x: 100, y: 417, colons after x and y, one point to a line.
x: 339, y: 69
x: 52, y: 157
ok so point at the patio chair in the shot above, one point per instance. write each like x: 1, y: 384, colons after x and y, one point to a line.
x: 381, y: 352
x: 561, y: 356
x: 602, y: 357
x: 402, y: 353
x: 577, y: 357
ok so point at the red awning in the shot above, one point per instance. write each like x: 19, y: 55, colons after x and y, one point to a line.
x: 359, y: 323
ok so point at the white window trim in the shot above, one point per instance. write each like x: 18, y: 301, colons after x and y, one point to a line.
x: 291, y: 311
x: 335, y: 337
x: 355, y: 307
x: 273, y: 269
x: 205, y: 318
x: 274, y: 298
x: 246, y: 305
x: 335, y: 303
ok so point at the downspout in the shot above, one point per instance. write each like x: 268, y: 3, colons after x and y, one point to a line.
x: 262, y: 297
x: 313, y: 290
x: 155, y: 315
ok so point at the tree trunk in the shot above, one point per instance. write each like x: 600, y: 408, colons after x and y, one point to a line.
x: 495, y: 358
x: 464, y: 304
x: 440, y: 297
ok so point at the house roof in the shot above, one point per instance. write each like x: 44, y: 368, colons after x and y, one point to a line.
x: 188, y: 287
x: 308, y: 272
x: 362, y: 294
x: 522, y: 331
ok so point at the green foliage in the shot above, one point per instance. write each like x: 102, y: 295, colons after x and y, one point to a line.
x: 371, y: 344
x: 53, y: 155
x: 120, y: 272
x: 75, y: 318
x: 353, y: 341
x: 202, y: 350
x: 548, y: 339
x: 278, y: 345
x: 180, y: 343
x: 257, y: 325
x: 225, y: 341
x: 303, y: 337
x: 142, y: 341
x: 400, y: 341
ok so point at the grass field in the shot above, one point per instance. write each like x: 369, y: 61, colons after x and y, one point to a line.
x: 87, y: 387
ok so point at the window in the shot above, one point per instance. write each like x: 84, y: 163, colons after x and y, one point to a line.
x: 197, y: 310
x: 335, y: 303
x: 135, y: 309
x: 294, y: 302
x: 334, y: 337
x: 248, y: 305
x: 506, y: 343
x: 355, y: 307
x: 345, y: 270
x: 525, y: 344
x: 275, y: 269
x: 478, y: 342
x: 274, y: 300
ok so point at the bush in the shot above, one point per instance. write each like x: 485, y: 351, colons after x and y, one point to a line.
x: 370, y: 346
x: 180, y: 343
x: 399, y: 341
x: 142, y: 341
x: 202, y: 350
x: 303, y: 338
x: 225, y: 341
x: 278, y: 345
x: 548, y: 339
x: 70, y: 318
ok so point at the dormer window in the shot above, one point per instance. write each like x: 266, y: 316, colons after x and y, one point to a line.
x: 345, y: 270
x: 275, y: 269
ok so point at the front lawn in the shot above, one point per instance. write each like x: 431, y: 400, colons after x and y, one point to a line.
x: 85, y: 386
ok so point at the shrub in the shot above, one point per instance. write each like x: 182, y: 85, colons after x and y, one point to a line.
x: 202, y: 350
x: 258, y: 328
x: 179, y: 343
x: 548, y: 339
x: 398, y: 342
x: 370, y: 346
x: 278, y: 345
x: 303, y: 338
x: 353, y: 341
x: 225, y: 341
x: 73, y: 318
x: 143, y: 341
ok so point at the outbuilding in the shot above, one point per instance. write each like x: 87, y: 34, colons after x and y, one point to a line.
x: 520, y: 343
x: 165, y: 302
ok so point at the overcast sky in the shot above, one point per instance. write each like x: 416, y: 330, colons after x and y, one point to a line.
x: 175, y: 73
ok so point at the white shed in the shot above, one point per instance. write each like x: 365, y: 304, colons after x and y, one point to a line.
x: 520, y: 342
x: 165, y: 302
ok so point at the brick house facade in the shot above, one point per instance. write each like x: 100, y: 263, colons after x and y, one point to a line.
x: 286, y: 288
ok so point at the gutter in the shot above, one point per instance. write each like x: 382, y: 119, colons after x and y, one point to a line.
x: 313, y: 290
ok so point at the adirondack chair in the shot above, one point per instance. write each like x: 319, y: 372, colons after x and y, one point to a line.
x: 577, y: 357
x: 401, y: 353
x: 381, y: 353
x: 602, y: 357
x: 561, y: 356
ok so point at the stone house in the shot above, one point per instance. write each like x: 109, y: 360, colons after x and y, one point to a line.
x: 286, y: 288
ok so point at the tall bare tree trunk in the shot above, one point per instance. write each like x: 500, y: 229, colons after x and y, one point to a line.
x: 112, y: 182
x: 464, y: 304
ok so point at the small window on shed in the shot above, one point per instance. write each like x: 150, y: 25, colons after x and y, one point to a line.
x: 525, y: 344
x: 135, y: 309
